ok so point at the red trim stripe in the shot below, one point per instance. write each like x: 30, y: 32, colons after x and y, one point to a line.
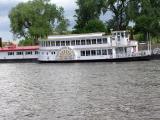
x: 13, y: 48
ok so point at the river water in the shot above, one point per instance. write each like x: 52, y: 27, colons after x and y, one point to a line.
x: 80, y: 91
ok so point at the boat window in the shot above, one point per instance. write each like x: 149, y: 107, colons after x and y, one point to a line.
x: 88, y: 53
x: 36, y: 52
x: 99, y: 41
x: 67, y: 43
x: 118, y: 33
x: 114, y: 34
x: 52, y: 52
x: 44, y: 43
x: 104, y: 40
x: 62, y: 43
x: 126, y: 34
x: 122, y: 34
x: 88, y: 42
x: 82, y: 53
x: 10, y: 53
x: 125, y: 49
x: 52, y: 43
x: 119, y: 49
x: 93, y: 41
x: 82, y: 42
x: 109, y: 51
x: 98, y: 52
x: 104, y: 52
x: 118, y: 38
x: 19, y: 53
x: 73, y: 42
x: 28, y: 53
x: 57, y: 43
x: 77, y: 42
x: 93, y: 52
x: 47, y: 43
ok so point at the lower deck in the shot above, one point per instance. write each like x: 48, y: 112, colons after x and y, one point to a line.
x: 100, y: 53
x: 18, y: 55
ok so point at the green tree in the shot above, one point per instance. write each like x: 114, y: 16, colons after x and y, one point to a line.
x: 118, y: 8
x: 87, y: 10
x: 144, y: 13
x: 62, y: 27
x: 25, y: 42
x: 95, y: 25
x: 35, y: 19
x: 147, y: 17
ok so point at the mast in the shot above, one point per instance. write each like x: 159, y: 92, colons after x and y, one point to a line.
x: 149, y: 43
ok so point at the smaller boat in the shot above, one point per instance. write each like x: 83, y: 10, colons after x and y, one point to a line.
x: 13, y: 53
x: 156, y: 53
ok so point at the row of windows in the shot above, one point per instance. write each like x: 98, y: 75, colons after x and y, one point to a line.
x: 52, y: 53
x: 96, y: 52
x: 22, y: 53
x: 74, y: 42
x: 122, y: 34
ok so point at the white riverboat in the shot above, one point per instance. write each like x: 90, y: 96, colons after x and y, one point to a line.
x: 91, y: 47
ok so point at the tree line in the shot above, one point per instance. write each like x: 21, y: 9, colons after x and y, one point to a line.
x: 40, y: 18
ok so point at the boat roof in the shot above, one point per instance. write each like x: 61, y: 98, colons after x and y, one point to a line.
x: 18, y: 48
x: 120, y: 31
x: 75, y: 36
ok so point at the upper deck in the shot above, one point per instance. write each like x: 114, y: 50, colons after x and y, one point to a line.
x: 75, y: 36
x: 117, y: 38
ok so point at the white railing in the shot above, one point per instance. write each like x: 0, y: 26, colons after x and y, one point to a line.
x: 137, y: 54
x: 132, y: 43
x: 129, y: 43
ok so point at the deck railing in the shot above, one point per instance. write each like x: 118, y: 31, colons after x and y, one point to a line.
x: 137, y: 54
x: 129, y: 43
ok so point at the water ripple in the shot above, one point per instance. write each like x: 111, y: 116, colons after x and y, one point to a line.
x: 80, y: 91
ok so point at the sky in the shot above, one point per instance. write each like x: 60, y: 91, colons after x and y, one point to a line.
x: 6, y: 5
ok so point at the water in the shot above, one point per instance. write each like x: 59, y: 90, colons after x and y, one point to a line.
x: 80, y: 91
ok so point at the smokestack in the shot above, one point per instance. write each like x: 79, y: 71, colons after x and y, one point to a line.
x: 0, y: 42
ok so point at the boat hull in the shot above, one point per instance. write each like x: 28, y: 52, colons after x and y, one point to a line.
x: 127, y: 59
x: 155, y: 56
x: 18, y: 60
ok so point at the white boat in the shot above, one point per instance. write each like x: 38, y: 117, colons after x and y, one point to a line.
x: 91, y: 47
x: 18, y: 54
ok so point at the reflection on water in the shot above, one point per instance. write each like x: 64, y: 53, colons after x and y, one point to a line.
x: 80, y: 91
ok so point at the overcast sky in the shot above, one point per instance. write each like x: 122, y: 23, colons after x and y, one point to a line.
x: 6, y: 5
